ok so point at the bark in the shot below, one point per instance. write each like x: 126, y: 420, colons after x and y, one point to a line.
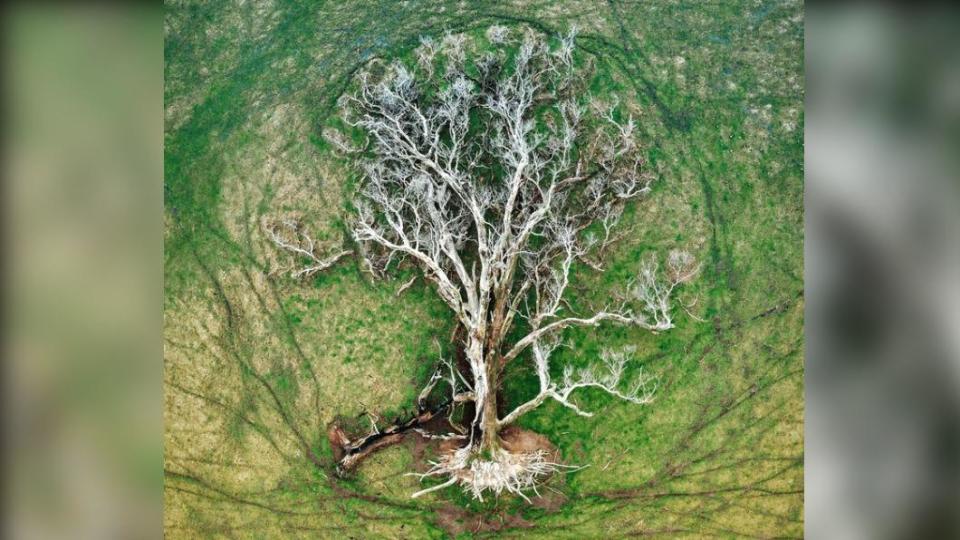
x: 490, y: 426
x: 349, y: 453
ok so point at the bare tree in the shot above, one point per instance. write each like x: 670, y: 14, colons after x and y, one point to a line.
x: 493, y: 178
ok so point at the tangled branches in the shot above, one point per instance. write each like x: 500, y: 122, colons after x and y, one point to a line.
x: 488, y: 170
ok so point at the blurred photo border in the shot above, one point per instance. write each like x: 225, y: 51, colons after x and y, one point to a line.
x: 83, y: 226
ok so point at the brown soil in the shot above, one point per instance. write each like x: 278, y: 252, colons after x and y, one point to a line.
x: 450, y: 445
x: 515, y: 440
x: 519, y: 440
x: 549, y: 500
x: 457, y: 521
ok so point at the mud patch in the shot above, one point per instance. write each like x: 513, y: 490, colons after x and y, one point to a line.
x: 456, y: 521
x: 519, y: 440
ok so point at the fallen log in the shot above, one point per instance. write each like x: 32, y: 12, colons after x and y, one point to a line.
x: 349, y: 453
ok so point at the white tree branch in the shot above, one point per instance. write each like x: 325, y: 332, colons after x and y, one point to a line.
x: 289, y: 236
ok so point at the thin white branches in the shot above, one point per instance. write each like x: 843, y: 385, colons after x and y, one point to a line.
x: 289, y: 236
x: 498, y: 34
x: 406, y: 286
x: 654, y: 294
x: 607, y: 375
x: 339, y: 141
x: 648, y: 306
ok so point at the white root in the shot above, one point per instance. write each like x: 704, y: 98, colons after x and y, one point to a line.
x: 504, y: 471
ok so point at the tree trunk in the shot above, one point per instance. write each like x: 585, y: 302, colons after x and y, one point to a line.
x: 489, y: 426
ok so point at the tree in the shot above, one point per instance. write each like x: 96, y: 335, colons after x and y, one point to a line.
x: 493, y: 177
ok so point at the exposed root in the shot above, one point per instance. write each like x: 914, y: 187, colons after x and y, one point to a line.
x: 512, y: 472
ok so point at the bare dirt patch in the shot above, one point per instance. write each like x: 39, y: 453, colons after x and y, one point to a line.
x: 456, y: 521
x: 518, y: 440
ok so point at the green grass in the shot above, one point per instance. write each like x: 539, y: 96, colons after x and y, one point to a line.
x: 257, y: 366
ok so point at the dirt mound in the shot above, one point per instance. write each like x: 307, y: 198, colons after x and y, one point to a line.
x: 520, y: 440
x: 515, y: 440
x: 450, y: 445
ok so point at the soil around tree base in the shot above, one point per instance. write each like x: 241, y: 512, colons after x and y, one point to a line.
x: 513, y: 439
x: 519, y: 440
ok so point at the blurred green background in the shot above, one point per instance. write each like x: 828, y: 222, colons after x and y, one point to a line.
x: 83, y: 267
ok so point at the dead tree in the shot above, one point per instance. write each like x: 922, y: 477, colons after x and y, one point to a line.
x: 494, y: 176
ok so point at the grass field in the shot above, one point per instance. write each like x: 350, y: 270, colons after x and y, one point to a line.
x: 257, y: 364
